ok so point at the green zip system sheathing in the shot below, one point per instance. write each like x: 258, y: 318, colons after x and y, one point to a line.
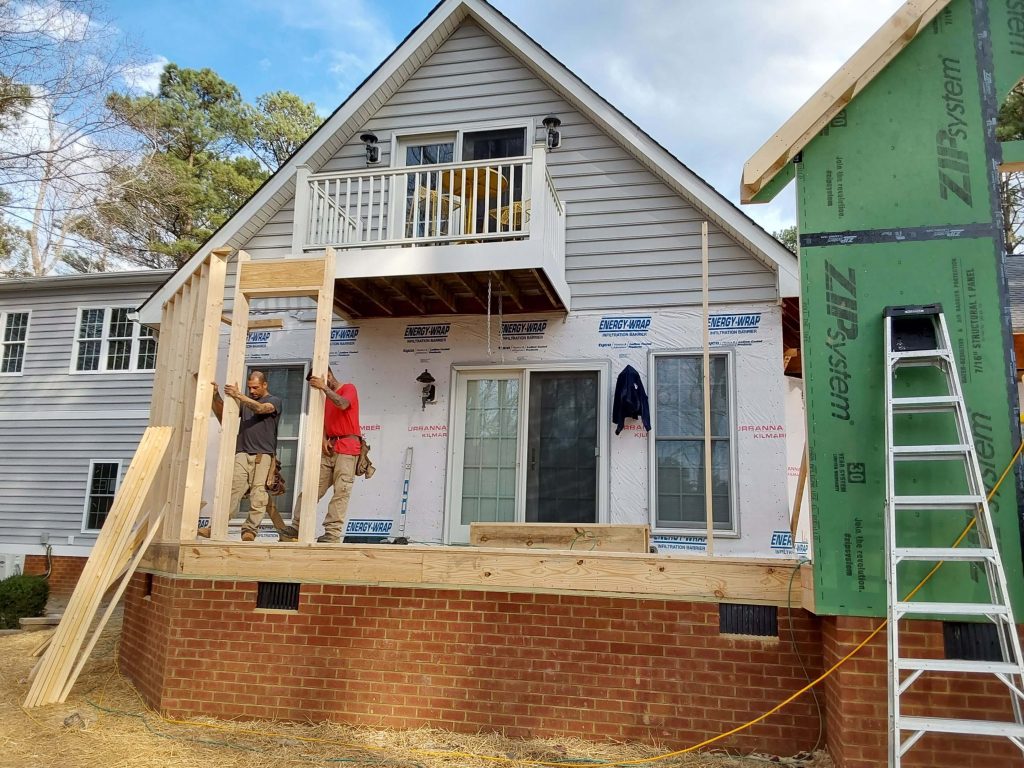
x: 898, y: 205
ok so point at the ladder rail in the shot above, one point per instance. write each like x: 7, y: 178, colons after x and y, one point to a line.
x: 984, y: 554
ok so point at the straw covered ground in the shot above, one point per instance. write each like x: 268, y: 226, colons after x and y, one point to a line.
x: 105, y: 723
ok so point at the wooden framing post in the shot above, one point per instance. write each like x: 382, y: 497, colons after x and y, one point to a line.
x: 708, y: 496
x: 308, y: 497
x: 206, y: 340
x: 230, y: 416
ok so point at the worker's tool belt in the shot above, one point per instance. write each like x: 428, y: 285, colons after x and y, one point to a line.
x: 364, y: 467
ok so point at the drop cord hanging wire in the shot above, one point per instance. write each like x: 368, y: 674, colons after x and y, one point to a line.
x: 501, y: 328
x: 639, y: 761
x: 489, y: 353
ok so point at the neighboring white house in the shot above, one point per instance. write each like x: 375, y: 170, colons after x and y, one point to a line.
x: 76, y: 374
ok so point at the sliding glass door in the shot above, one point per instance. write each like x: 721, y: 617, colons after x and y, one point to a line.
x: 525, y: 448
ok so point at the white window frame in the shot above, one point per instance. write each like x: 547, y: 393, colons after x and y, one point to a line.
x: 104, y: 342
x: 401, y: 139
x: 652, y: 456
x: 3, y: 344
x: 456, y: 410
x: 88, y: 490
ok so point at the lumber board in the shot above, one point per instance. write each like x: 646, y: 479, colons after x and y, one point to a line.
x: 161, y: 558
x: 310, y: 454
x: 229, y: 422
x: 581, y: 537
x: 798, y: 502
x: 123, y: 580
x: 838, y: 91
x: 206, y: 340
x: 180, y: 397
x: 708, y: 484
x: 259, y: 277
x: 669, y: 576
x: 266, y: 322
x: 56, y: 663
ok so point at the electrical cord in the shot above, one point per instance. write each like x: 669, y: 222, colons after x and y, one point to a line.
x: 799, y: 656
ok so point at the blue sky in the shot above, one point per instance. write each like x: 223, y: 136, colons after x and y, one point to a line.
x: 711, y: 80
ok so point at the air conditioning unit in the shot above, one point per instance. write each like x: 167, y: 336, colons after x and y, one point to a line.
x: 11, y: 565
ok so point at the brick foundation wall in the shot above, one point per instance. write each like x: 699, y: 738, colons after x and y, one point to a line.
x: 528, y: 665
x: 63, y: 576
x: 856, y: 701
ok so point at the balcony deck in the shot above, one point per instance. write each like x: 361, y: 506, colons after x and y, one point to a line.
x: 439, y: 239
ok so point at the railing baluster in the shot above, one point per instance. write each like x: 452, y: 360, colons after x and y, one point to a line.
x: 339, y: 222
x: 359, y: 210
x: 462, y: 199
x: 487, y: 199
x: 451, y: 201
x: 348, y: 208
x: 415, y: 205
x: 380, y: 206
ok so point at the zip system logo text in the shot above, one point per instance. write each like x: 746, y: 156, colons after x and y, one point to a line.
x: 841, y: 299
x: 953, y: 164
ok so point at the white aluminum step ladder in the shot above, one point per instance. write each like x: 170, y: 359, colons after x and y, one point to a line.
x: 917, y: 336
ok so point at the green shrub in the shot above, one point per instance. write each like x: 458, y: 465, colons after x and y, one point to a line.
x: 22, y: 596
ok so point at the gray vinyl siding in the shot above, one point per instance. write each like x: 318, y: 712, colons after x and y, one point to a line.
x: 53, y: 421
x: 631, y: 242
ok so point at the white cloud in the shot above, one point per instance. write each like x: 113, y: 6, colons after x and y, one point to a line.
x: 146, y: 77
x: 51, y: 19
x: 711, y: 81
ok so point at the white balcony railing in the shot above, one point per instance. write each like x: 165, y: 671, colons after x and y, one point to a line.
x: 423, y: 205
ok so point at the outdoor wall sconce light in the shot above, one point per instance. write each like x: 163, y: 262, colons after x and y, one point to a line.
x: 372, y: 150
x: 429, y: 391
x: 554, y: 135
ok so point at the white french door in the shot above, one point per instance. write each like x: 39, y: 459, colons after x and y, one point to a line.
x: 526, y: 447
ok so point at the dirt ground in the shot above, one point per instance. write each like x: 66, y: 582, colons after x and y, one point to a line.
x: 105, y: 724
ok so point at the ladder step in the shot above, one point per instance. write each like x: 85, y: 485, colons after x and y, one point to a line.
x: 922, y: 354
x: 924, y: 404
x: 949, y: 725
x: 929, y: 452
x: 951, y: 609
x: 937, y: 502
x: 934, y: 554
x: 959, y: 665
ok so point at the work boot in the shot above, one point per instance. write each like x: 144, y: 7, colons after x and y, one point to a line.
x: 328, y: 538
x: 288, y: 533
x: 248, y: 536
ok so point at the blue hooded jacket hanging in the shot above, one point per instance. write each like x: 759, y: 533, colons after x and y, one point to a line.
x: 630, y: 400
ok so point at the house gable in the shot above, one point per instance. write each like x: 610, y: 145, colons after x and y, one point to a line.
x: 631, y: 240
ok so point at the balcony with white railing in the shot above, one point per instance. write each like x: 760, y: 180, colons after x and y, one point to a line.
x: 500, y: 216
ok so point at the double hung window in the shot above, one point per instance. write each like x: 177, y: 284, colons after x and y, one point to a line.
x: 104, y: 477
x: 679, y: 449
x: 108, y: 340
x: 13, y: 338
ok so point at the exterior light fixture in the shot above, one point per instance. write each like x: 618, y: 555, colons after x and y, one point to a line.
x: 372, y: 150
x: 429, y: 391
x: 554, y: 135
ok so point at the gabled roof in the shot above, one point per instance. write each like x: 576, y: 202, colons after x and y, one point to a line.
x: 411, y: 53
x: 840, y: 89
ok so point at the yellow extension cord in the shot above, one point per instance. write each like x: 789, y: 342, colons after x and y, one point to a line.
x: 640, y: 761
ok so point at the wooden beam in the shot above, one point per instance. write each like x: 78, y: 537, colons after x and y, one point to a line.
x: 406, y: 294
x: 268, y: 322
x: 219, y: 513
x: 801, y: 483
x: 708, y: 479
x: 440, y: 291
x: 579, y: 537
x: 345, y: 308
x: 544, y: 288
x: 208, y: 340
x: 470, y: 285
x: 509, y: 289
x: 683, y: 577
x: 372, y: 294
x: 271, y: 276
x: 310, y: 456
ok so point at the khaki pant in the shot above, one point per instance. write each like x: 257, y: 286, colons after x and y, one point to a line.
x: 252, y: 477
x: 337, y: 471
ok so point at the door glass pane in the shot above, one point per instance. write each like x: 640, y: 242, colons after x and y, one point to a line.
x: 427, y: 206
x: 561, y: 468
x: 489, y: 456
x: 287, y: 383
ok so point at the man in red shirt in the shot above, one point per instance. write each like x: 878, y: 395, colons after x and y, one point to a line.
x: 341, y: 443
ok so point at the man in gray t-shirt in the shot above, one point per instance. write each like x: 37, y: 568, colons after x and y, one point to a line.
x: 255, y: 448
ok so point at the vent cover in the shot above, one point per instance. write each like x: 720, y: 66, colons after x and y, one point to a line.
x: 277, y: 595
x: 761, y: 620
x: 971, y: 641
